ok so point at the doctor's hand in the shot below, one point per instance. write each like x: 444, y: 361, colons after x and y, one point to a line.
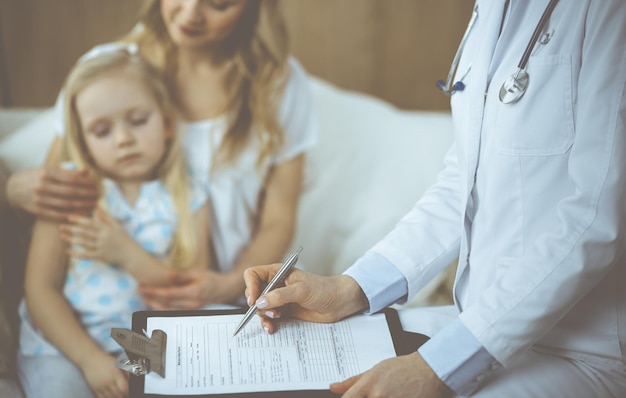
x: 305, y: 296
x: 404, y: 376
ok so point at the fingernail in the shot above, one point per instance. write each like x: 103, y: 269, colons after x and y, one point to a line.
x: 270, y: 314
x: 267, y: 330
x: 262, y: 303
x: 249, y: 300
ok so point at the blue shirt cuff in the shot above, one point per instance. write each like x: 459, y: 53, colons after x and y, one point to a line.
x: 458, y: 358
x: 382, y: 283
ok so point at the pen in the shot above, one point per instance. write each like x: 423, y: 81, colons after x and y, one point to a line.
x: 282, y: 273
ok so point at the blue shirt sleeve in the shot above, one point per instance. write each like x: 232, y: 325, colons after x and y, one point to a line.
x: 382, y: 283
x: 454, y: 354
x: 458, y: 358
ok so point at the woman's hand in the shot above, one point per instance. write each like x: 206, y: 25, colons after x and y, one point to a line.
x: 305, y: 296
x: 193, y: 289
x: 52, y: 193
x: 104, y: 378
x: 98, y: 238
x: 404, y: 376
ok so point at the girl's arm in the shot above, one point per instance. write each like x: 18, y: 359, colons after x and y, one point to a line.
x: 272, y: 238
x: 102, y: 238
x: 149, y: 270
x: 46, y: 272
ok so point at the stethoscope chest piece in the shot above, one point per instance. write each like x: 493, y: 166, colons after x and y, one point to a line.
x: 514, y: 87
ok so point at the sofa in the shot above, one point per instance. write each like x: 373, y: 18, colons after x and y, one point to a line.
x: 372, y: 162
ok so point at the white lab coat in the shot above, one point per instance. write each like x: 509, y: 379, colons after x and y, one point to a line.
x: 533, y: 195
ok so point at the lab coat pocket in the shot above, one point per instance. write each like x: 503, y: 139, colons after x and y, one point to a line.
x: 541, y: 123
x: 503, y: 264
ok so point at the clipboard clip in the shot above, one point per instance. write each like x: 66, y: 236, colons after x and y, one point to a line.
x: 142, y: 354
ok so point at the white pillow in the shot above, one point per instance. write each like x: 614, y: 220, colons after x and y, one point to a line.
x: 28, y: 145
x: 372, y: 163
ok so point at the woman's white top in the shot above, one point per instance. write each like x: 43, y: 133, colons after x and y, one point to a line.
x: 234, y: 190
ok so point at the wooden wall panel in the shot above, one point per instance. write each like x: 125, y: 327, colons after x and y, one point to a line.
x: 394, y: 49
x: 4, y: 77
x: 43, y: 38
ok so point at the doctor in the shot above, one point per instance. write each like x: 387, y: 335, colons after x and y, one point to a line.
x: 532, y: 201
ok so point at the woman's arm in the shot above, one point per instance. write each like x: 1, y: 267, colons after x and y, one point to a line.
x: 46, y: 273
x: 277, y: 222
x: 102, y: 238
x: 51, y: 192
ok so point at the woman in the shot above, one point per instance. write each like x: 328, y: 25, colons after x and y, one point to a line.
x: 248, y: 116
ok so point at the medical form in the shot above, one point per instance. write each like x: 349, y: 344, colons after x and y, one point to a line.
x: 202, y: 356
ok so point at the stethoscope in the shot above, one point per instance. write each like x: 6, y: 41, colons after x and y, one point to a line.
x: 516, y: 85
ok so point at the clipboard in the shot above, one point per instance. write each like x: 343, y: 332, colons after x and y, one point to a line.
x: 403, y: 343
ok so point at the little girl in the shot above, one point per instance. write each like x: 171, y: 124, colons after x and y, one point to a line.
x: 120, y: 127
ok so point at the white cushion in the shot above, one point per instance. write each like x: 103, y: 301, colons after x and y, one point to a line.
x: 372, y: 163
x: 28, y: 145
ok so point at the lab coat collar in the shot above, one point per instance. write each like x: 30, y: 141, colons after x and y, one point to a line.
x: 488, y: 27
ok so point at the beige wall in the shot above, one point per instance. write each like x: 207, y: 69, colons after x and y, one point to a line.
x: 43, y: 38
x: 395, y: 49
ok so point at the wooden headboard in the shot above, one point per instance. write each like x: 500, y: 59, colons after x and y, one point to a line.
x: 394, y: 49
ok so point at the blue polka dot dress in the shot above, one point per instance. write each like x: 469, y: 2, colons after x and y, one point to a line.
x: 105, y: 296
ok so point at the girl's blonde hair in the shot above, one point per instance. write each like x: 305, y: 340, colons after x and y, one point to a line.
x: 172, y: 170
x: 257, y: 55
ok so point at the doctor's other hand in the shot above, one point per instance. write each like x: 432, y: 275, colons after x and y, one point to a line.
x: 404, y: 376
x: 305, y: 296
x: 52, y: 193
x: 193, y: 289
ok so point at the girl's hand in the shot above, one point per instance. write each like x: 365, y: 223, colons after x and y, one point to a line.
x: 52, y: 193
x: 104, y: 378
x: 192, y: 289
x: 305, y: 296
x: 98, y: 238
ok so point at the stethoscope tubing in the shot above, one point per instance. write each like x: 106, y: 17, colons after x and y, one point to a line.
x: 450, y: 89
x: 535, y: 37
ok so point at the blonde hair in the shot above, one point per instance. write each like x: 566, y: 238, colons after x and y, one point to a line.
x: 258, y: 70
x: 171, y: 171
